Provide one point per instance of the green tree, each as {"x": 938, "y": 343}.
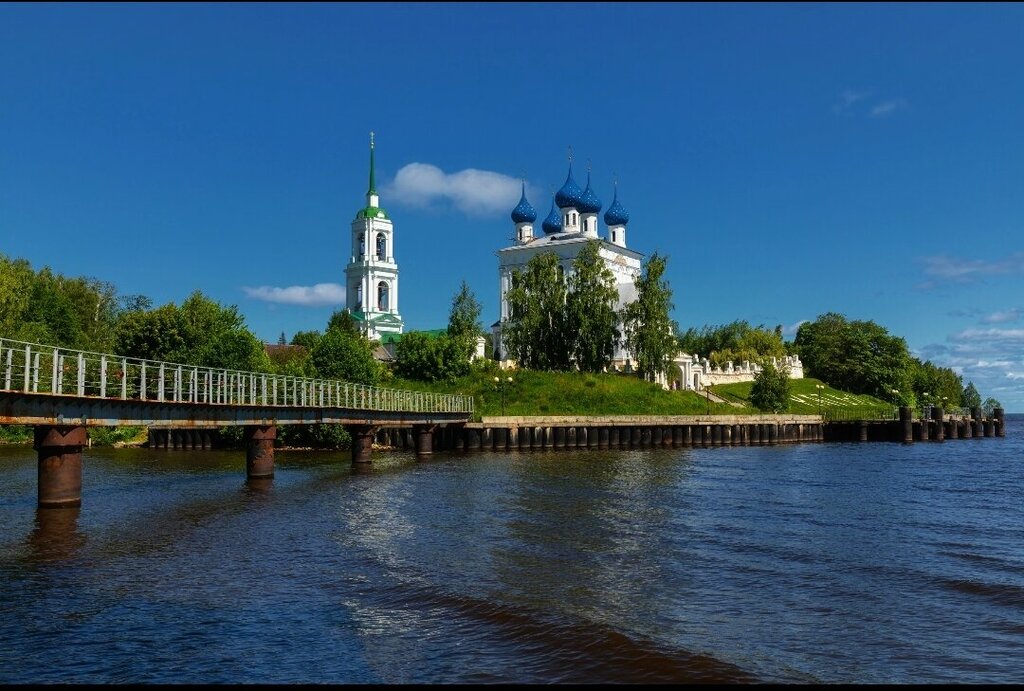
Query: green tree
{"x": 464, "y": 321}
{"x": 50, "y": 316}
{"x": 216, "y": 336}
{"x": 199, "y": 332}
{"x": 16, "y": 278}
{"x": 308, "y": 339}
{"x": 931, "y": 384}
{"x": 856, "y": 356}
{"x": 293, "y": 361}
{"x": 591, "y": 319}
{"x": 990, "y": 405}
{"x": 426, "y": 358}
{"x": 971, "y": 397}
{"x": 650, "y": 336}
{"x": 770, "y": 389}
{"x": 736, "y": 342}
{"x": 136, "y": 303}
{"x": 340, "y": 354}
{"x": 152, "y": 335}
{"x": 235, "y": 349}
{"x": 342, "y": 319}
{"x": 535, "y": 333}
{"x": 46, "y": 307}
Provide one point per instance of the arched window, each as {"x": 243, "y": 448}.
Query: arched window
{"x": 382, "y": 296}
{"x": 382, "y": 246}
{"x": 359, "y": 297}
{"x": 362, "y": 246}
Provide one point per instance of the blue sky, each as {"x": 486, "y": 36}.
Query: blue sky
{"x": 789, "y": 160}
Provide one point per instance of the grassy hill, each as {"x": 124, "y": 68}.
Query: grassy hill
{"x": 564, "y": 393}
{"x": 561, "y": 393}
{"x": 803, "y": 398}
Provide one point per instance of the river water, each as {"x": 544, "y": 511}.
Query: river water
{"x": 839, "y": 562}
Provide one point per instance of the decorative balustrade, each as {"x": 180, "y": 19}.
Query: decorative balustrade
{"x": 41, "y": 369}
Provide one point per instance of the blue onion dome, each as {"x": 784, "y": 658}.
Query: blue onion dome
{"x": 523, "y": 213}
{"x": 569, "y": 195}
{"x": 553, "y": 223}
{"x": 589, "y": 203}
{"x": 616, "y": 215}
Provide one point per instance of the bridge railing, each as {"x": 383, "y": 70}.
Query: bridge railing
{"x": 35, "y": 368}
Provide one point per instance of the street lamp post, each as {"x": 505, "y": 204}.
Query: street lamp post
{"x": 500, "y": 383}
{"x": 819, "y": 387}
{"x": 707, "y": 396}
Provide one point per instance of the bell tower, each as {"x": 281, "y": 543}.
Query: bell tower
{"x": 371, "y": 277}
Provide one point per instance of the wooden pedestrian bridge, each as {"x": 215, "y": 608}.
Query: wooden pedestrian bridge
{"x": 62, "y": 392}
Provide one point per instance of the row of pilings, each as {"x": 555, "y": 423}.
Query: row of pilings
{"x": 59, "y": 447}
{"x": 907, "y": 429}
{"x": 517, "y": 434}
{"x": 507, "y": 434}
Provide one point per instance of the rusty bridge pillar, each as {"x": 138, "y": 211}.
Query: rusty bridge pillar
{"x": 1000, "y": 421}
{"x": 362, "y": 443}
{"x": 59, "y": 449}
{"x": 259, "y": 450}
{"x": 424, "y": 435}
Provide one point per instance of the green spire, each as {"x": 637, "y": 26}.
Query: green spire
{"x": 373, "y": 186}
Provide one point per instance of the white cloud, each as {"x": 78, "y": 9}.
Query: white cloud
{"x": 848, "y": 98}
{"x": 990, "y": 335}
{"x": 471, "y": 191}
{"x": 956, "y": 270}
{"x": 853, "y": 102}
{"x": 1010, "y": 315}
{"x": 992, "y": 358}
{"x": 887, "y": 107}
{"x": 793, "y": 328}
{"x": 312, "y": 296}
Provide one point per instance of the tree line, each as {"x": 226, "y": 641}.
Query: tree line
{"x": 556, "y": 323}
{"x": 858, "y": 356}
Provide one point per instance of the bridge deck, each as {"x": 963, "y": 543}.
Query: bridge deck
{"x": 48, "y": 385}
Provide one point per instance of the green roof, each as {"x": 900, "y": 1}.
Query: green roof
{"x": 395, "y": 338}
{"x": 379, "y": 319}
{"x": 371, "y": 212}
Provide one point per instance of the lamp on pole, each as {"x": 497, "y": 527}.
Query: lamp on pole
{"x": 707, "y": 396}
{"x": 819, "y": 387}
{"x": 500, "y": 383}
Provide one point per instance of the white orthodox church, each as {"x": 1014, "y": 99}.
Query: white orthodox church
{"x": 571, "y": 223}
{"x": 371, "y": 277}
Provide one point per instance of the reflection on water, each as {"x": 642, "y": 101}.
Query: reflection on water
{"x": 55, "y": 535}
{"x": 808, "y": 563}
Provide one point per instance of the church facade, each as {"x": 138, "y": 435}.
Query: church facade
{"x": 371, "y": 276}
{"x": 570, "y": 224}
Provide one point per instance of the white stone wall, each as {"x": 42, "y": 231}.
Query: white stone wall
{"x": 695, "y": 372}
